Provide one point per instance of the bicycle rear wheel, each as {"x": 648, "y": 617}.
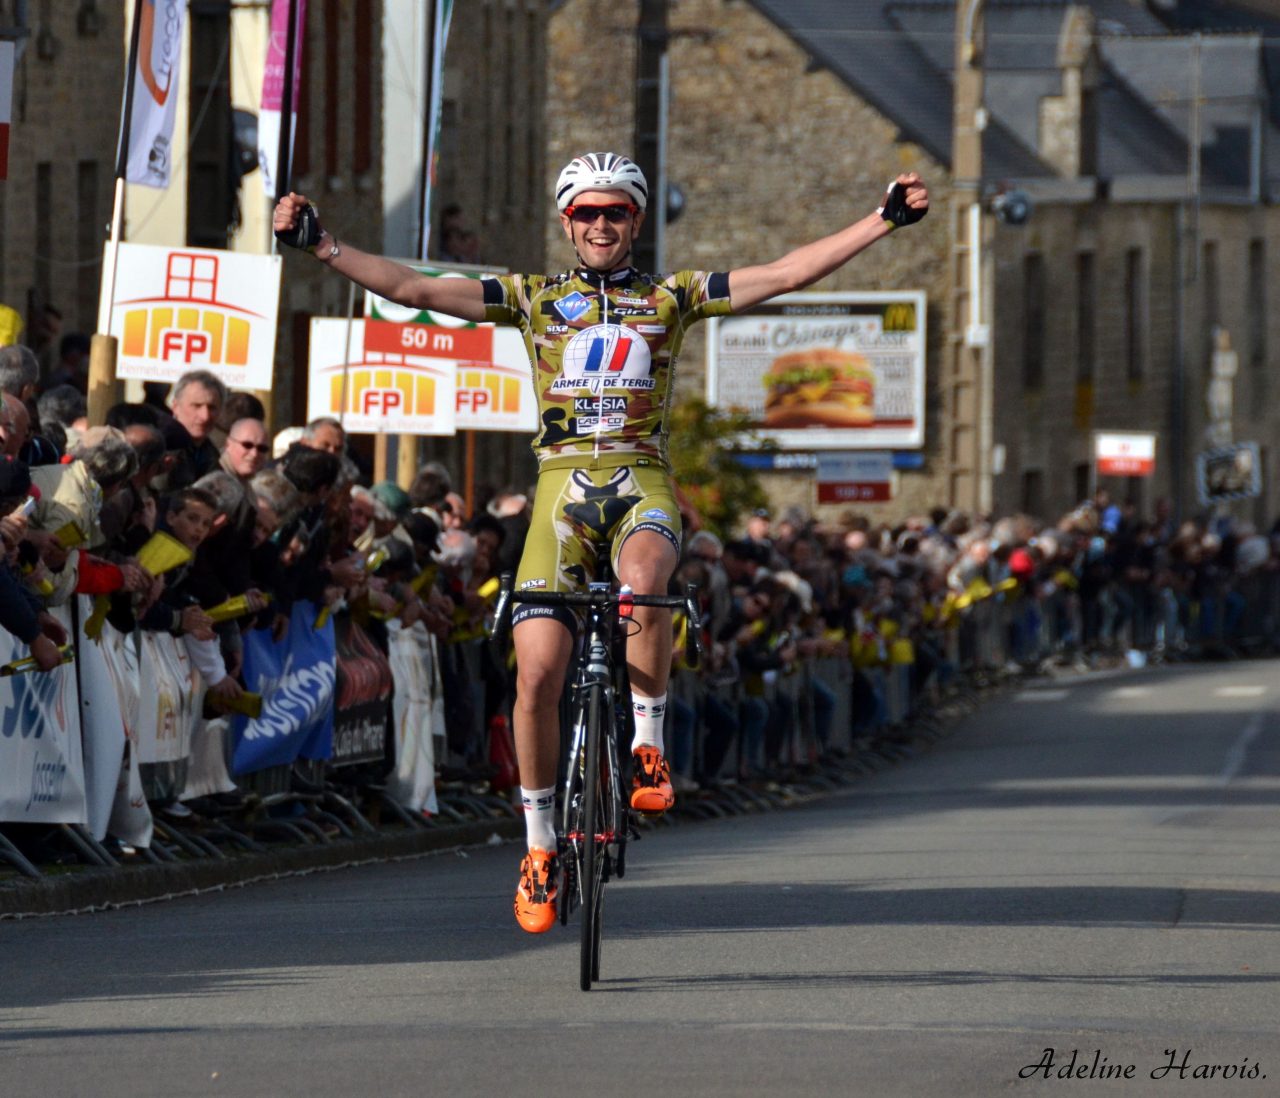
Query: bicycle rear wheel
{"x": 596, "y": 814}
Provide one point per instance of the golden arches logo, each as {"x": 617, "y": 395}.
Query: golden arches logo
{"x": 900, "y": 317}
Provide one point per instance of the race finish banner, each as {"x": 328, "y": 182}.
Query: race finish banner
{"x": 838, "y": 371}
{"x": 1125, "y": 455}
{"x": 494, "y": 384}
{"x": 7, "y": 54}
{"x": 377, "y": 392}
{"x": 1229, "y": 472}
{"x": 180, "y": 309}
{"x": 862, "y": 477}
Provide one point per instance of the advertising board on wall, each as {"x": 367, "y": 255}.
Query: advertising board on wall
{"x": 825, "y": 371}
{"x": 1131, "y": 454}
{"x": 180, "y": 309}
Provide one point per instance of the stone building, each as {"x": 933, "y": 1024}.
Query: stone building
{"x": 1150, "y": 159}
{"x": 56, "y": 201}
{"x": 357, "y": 153}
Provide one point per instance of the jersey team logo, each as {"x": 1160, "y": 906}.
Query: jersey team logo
{"x": 572, "y": 306}
{"x": 606, "y": 351}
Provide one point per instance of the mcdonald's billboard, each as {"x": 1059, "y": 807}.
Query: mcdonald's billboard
{"x": 837, "y": 371}
{"x": 180, "y": 309}
{"x": 377, "y": 392}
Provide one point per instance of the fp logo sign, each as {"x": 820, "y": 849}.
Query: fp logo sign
{"x": 381, "y": 402}
{"x": 184, "y": 346}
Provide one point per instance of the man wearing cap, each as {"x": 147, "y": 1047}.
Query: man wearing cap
{"x": 602, "y": 339}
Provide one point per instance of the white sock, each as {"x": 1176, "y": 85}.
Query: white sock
{"x": 648, "y": 714}
{"x": 540, "y": 817}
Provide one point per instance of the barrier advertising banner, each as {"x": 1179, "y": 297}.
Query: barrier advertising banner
{"x": 364, "y": 687}
{"x": 42, "y": 780}
{"x": 156, "y": 87}
{"x": 836, "y": 371}
{"x": 295, "y": 677}
{"x": 494, "y": 380}
{"x": 377, "y": 392}
{"x": 180, "y": 309}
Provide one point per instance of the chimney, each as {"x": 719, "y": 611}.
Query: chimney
{"x": 1069, "y": 122}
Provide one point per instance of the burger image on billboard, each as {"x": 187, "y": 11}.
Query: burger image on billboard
{"x": 819, "y": 388}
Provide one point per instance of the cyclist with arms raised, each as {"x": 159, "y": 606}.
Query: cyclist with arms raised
{"x": 602, "y": 340}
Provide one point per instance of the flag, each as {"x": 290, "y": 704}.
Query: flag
{"x": 273, "y": 89}
{"x": 439, "y": 40}
{"x": 153, "y": 87}
{"x": 6, "y": 104}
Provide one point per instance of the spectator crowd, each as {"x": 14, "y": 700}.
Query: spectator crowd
{"x": 818, "y": 633}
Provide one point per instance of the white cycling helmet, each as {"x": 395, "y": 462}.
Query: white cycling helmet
{"x": 601, "y": 172}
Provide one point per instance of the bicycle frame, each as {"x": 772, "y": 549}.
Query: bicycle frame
{"x": 595, "y": 811}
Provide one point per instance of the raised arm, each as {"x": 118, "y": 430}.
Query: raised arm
{"x": 906, "y": 202}
{"x": 296, "y": 224}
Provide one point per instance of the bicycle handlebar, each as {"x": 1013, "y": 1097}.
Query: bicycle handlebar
{"x": 600, "y": 599}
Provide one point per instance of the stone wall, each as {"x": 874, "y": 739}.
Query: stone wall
{"x": 770, "y": 152}
{"x": 62, "y": 143}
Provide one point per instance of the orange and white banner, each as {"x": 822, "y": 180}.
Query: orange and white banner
{"x": 495, "y": 380}
{"x": 377, "y": 392}
{"x": 155, "y": 91}
{"x": 7, "y": 55}
{"x": 180, "y": 309}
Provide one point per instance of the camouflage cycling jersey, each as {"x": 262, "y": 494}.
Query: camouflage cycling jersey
{"x": 603, "y": 350}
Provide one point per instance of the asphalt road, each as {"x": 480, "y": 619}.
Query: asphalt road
{"x": 1092, "y": 867}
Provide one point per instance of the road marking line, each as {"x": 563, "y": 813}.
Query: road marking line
{"x": 1041, "y": 696}
{"x": 1236, "y": 755}
{"x": 1131, "y": 692}
{"x": 1239, "y": 691}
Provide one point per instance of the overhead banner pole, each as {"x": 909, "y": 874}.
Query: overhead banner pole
{"x": 103, "y": 387}
{"x": 277, "y": 103}
{"x": 439, "y": 15}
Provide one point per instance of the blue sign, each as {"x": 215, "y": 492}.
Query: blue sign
{"x": 296, "y": 678}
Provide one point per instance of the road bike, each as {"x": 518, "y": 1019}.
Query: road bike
{"x": 595, "y": 803}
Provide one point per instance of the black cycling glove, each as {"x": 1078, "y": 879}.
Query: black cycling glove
{"x": 895, "y": 209}
{"x": 306, "y": 233}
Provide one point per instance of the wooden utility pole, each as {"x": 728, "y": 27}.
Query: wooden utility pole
{"x": 968, "y": 380}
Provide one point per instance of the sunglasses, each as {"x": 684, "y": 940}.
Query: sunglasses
{"x": 615, "y": 215}
{"x": 258, "y": 446}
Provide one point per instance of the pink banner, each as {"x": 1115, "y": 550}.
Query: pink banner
{"x": 273, "y": 88}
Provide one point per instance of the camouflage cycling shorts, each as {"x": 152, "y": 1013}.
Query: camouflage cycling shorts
{"x": 578, "y": 510}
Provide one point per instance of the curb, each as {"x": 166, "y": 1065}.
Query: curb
{"x": 99, "y": 889}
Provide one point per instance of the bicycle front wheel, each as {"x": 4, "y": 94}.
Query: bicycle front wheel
{"x": 595, "y": 825}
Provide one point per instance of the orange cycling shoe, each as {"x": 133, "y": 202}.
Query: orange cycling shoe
{"x": 536, "y": 894}
{"x": 650, "y": 781}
